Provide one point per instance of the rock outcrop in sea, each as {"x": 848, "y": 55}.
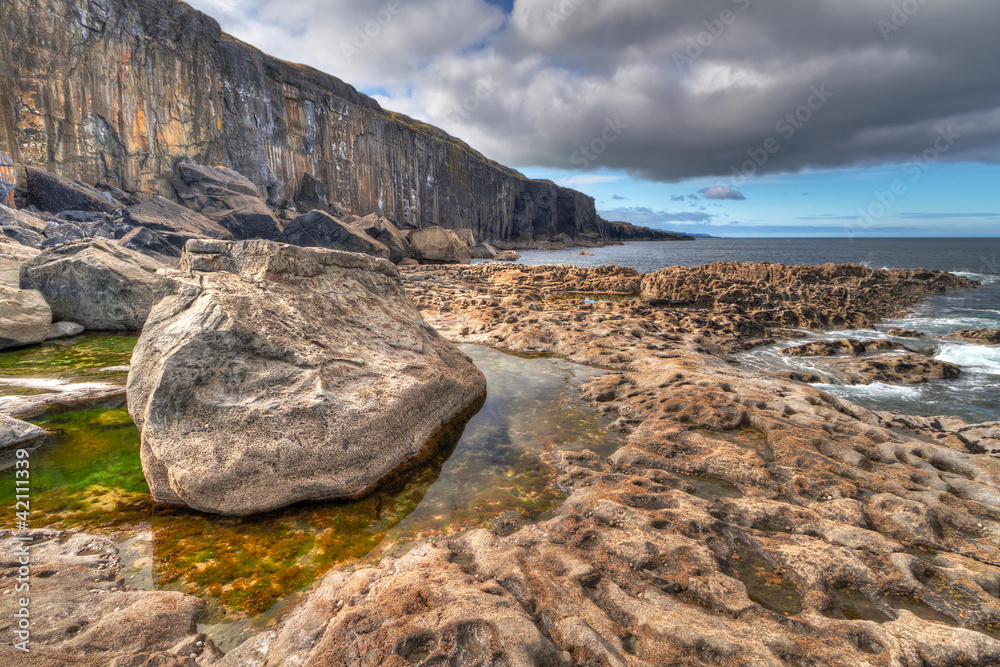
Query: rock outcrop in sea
{"x": 269, "y": 374}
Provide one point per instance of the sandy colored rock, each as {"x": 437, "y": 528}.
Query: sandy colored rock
{"x": 96, "y": 283}
{"x": 269, "y": 374}
{"x": 24, "y": 317}
{"x": 898, "y": 369}
{"x": 978, "y": 336}
{"x": 437, "y": 245}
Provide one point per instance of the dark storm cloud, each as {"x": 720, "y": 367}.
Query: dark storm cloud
{"x": 668, "y": 90}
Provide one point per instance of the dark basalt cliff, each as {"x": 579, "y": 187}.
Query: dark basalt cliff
{"x": 121, "y": 90}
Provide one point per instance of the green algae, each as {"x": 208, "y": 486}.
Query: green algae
{"x": 88, "y": 476}
{"x": 81, "y": 358}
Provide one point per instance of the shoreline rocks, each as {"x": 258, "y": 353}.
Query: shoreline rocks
{"x": 978, "y": 336}
{"x": 96, "y": 283}
{"x": 25, "y": 317}
{"x": 269, "y": 374}
{"x": 437, "y": 245}
{"x": 318, "y": 229}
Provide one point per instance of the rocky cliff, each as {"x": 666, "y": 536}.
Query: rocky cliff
{"x": 121, "y": 90}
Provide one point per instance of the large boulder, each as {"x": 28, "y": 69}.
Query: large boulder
{"x": 152, "y": 244}
{"x": 23, "y": 227}
{"x": 437, "y": 245}
{"x": 467, "y": 236}
{"x": 483, "y": 251}
{"x": 227, "y": 198}
{"x": 12, "y": 256}
{"x": 269, "y": 374}
{"x": 979, "y": 336}
{"x": 50, "y": 192}
{"x": 173, "y": 222}
{"x": 24, "y": 317}
{"x": 382, "y": 230}
{"x": 312, "y": 195}
{"x": 95, "y": 282}
{"x": 15, "y": 434}
{"x": 318, "y": 229}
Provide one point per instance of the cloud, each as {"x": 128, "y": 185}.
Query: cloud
{"x": 678, "y": 198}
{"x": 721, "y": 192}
{"x": 648, "y": 217}
{"x": 619, "y": 198}
{"x": 684, "y": 111}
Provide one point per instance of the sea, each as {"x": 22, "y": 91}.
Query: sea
{"x": 975, "y": 396}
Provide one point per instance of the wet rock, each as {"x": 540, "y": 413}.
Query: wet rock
{"x": 174, "y": 223}
{"x": 53, "y": 193}
{"x": 24, "y": 317}
{"x": 437, "y": 245}
{"x": 831, "y": 295}
{"x": 382, "y": 230}
{"x": 586, "y": 253}
{"x": 82, "y": 615}
{"x": 269, "y": 374}
{"x": 16, "y": 434}
{"x": 97, "y": 283}
{"x": 845, "y": 347}
{"x": 978, "y": 336}
{"x": 227, "y": 198}
{"x": 906, "y": 333}
{"x": 60, "y": 330}
{"x": 902, "y": 370}
{"x": 483, "y": 251}
{"x": 318, "y": 229}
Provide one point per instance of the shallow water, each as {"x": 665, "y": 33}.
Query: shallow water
{"x": 87, "y": 475}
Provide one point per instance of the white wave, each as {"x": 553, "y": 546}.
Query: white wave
{"x": 982, "y": 358}
{"x": 985, "y": 278}
{"x": 876, "y": 390}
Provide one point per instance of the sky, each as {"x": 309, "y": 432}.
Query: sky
{"x": 725, "y": 117}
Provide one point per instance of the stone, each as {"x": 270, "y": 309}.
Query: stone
{"x": 24, "y": 236}
{"x": 60, "y": 330}
{"x": 437, "y": 245}
{"x": 24, "y": 317}
{"x": 57, "y": 235}
{"x": 8, "y": 179}
{"x": 900, "y": 369}
{"x": 53, "y": 193}
{"x": 97, "y": 283}
{"x": 12, "y": 256}
{"x": 312, "y": 195}
{"x": 507, "y": 256}
{"x": 978, "y": 336}
{"x": 23, "y": 227}
{"x": 82, "y": 615}
{"x": 227, "y": 198}
{"x": 16, "y": 434}
{"x": 318, "y": 229}
{"x": 382, "y": 230}
{"x": 269, "y": 374}
{"x": 467, "y": 236}
{"x": 153, "y": 244}
{"x": 906, "y": 333}
{"x": 845, "y": 347}
{"x": 173, "y": 222}
{"x": 483, "y": 251}
{"x": 586, "y": 253}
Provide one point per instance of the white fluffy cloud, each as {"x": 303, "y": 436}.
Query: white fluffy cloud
{"x": 700, "y": 87}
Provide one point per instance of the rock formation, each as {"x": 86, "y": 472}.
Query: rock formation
{"x": 97, "y": 283}
{"x": 130, "y": 87}
{"x": 25, "y": 318}
{"x": 8, "y": 179}
{"x": 318, "y": 229}
{"x": 386, "y": 233}
{"x": 15, "y": 433}
{"x": 174, "y": 223}
{"x": 269, "y": 374}
{"x": 226, "y": 197}
{"x": 436, "y": 245}
{"x": 979, "y": 336}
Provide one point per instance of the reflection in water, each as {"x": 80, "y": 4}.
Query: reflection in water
{"x": 88, "y": 476}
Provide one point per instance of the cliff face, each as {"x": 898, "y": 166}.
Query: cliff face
{"x": 120, "y": 90}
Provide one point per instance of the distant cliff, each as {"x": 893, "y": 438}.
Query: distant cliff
{"x": 120, "y": 90}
